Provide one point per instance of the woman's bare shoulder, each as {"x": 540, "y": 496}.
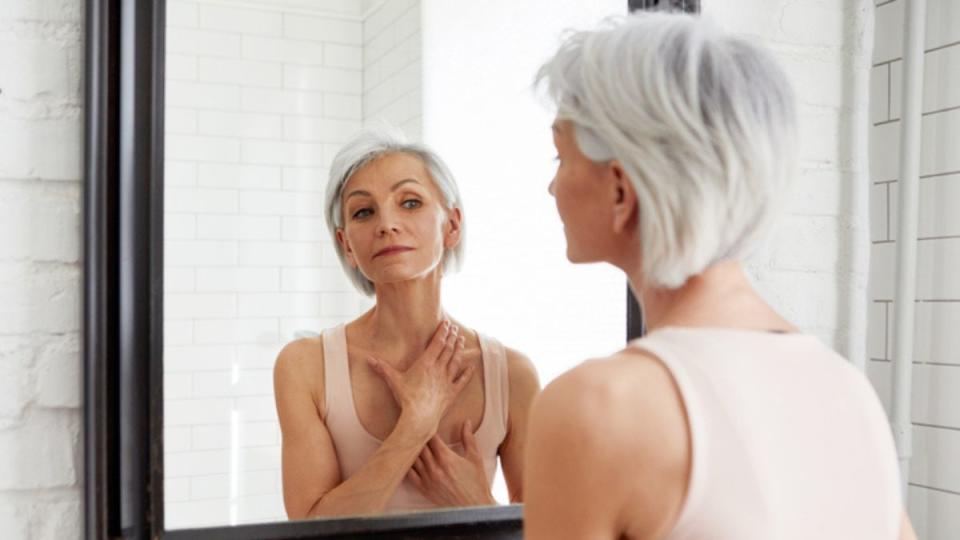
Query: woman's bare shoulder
{"x": 624, "y": 415}
{"x": 626, "y": 404}
{"x": 615, "y": 379}
{"x": 521, "y": 372}
{"x": 300, "y": 365}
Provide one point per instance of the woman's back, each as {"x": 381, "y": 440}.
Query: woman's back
{"x": 787, "y": 440}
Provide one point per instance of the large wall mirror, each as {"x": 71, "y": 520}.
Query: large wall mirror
{"x": 260, "y": 95}
{"x": 209, "y": 251}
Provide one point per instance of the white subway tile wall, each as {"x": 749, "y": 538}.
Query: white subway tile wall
{"x": 934, "y": 497}
{"x": 392, "y": 73}
{"x": 259, "y": 99}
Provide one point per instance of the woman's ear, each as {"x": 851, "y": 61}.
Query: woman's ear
{"x": 453, "y": 228}
{"x": 625, "y": 198}
{"x": 345, "y": 246}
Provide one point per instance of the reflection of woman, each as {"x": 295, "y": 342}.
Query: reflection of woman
{"x": 401, "y": 408}
{"x": 725, "y": 421}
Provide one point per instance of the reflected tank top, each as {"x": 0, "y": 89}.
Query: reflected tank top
{"x": 355, "y": 445}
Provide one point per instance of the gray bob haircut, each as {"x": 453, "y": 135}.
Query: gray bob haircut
{"x": 703, "y": 123}
{"x": 365, "y": 147}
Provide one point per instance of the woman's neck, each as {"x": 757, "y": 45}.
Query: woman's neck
{"x": 720, "y": 296}
{"x": 404, "y": 319}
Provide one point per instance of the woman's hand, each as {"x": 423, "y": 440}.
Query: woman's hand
{"x": 431, "y": 384}
{"x": 449, "y": 479}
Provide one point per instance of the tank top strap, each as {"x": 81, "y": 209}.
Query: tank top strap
{"x": 338, "y": 395}
{"x": 496, "y": 384}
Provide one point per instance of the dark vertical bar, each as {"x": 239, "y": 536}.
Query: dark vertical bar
{"x": 101, "y": 473}
{"x": 158, "y": 75}
{"x": 636, "y": 326}
{"x": 139, "y": 385}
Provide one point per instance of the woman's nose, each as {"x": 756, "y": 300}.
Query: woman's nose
{"x": 387, "y": 223}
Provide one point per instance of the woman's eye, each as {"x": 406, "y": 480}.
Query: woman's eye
{"x": 362, "y": 213}
{"x": 411, "y": 203}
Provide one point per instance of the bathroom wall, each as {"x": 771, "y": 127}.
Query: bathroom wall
{"x": 260, "y": 94}
{"x": 392, "y": 68}
{"x": 41, "y": 141}
{"x": 934, "y": 493}
{"x": 815, "y": 266}
{"x": 41, "y": 69}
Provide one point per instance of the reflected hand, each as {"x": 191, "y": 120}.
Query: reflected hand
{"x": 432, "y": 383}
{"x": 449, "y": 479}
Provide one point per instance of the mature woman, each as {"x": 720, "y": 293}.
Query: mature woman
{"x": 402, "y": 408}
{"x": 675, "y": 142}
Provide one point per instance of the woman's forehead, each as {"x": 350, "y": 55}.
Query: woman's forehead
{"x": 386, "y": 171}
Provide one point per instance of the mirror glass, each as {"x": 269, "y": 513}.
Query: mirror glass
{"x": 260, "y": 95}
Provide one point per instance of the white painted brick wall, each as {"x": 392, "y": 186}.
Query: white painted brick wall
{"x": 934, "y": 497}
{"x": 40, "y": 269}
{"x": 822, "y": 243}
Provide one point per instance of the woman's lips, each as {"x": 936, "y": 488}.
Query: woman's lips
{"x": 391, "y": 250}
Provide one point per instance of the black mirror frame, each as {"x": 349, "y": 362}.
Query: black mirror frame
{"x": 123, "y": 302}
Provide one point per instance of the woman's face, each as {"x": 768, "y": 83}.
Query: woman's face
{"x": 396, "y": 226}
{"x": 586, "y": 197}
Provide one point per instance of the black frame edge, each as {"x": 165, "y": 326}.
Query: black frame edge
{"x": 140, "y": 267}
{"x": 99, "y": 266}
{"x": 492, "y": 522}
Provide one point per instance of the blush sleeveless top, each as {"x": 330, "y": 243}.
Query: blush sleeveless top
{"x": 788, "y": 439}
{"x": 355, "y": 445}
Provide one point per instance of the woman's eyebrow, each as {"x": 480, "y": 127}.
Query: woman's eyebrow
{"x": 394, "y": 188}
{"x": 402, "y": 182}
{"x": 357, "y": 192}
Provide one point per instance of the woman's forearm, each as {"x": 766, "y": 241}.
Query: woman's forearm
{"x": 371, "y": 487}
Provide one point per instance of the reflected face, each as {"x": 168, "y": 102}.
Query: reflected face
{"x": 396, "y": 224}
{"x": 584, "y": 198}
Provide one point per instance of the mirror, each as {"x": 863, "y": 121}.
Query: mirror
{"x": 259, "y": 97}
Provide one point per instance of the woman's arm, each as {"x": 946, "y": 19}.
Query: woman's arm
{"x": 607, "y": 454}
{"x": 311, "y": 474}
{"x": 524, "y": 386}
{"x": 311, "y": 479}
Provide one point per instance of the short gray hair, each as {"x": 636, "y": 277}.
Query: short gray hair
{"x": 703, "y": 122}
{"x": 365, "y": 147}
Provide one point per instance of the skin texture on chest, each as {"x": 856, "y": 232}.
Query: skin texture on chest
{"x": 378, "y": 411}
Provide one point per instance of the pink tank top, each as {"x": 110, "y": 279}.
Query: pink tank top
{"x": 355, "y": 445}
{"x": 788, "y": 439}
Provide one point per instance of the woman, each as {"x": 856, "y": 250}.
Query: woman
{"x": 674, "y": 142}
{"x": 402, "y": 408}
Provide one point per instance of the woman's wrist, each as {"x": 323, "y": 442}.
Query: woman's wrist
{"x": 419, "y": 427}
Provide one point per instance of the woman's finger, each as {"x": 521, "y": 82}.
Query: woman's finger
{"x": 439, "y": 449}
{"x": 449, "y": 348}
{"x": 439, "y": 340}
{"x": 429, "y": 460}
{"x": 456, "y": 359}
{"x": 385, "y": 371}
{"x": 414, "y": 478}
{"x": 463, "y": 377}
